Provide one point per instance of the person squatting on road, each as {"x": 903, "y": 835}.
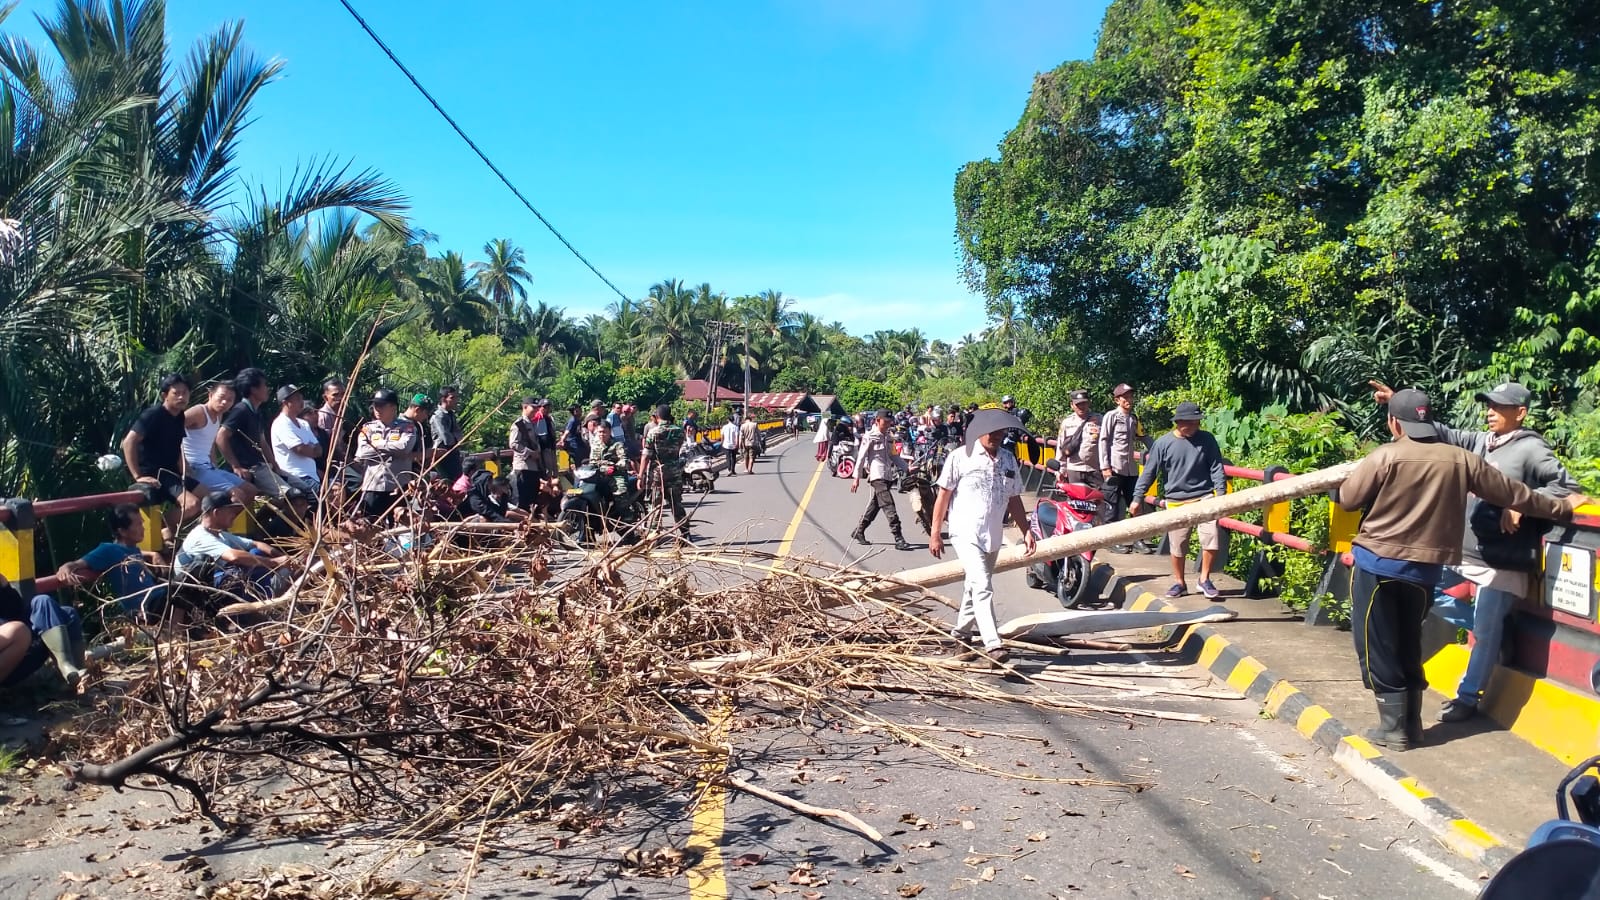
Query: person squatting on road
{"x": 980, "y": 486}
{"x": 1414, "y": 494}
{"x": 877, "y": 458}
{"x": 1189, "y": 464}
{"x": 661, "y": 464}
{"x": 1500, "y": 549}
{"x": 1078, "y": 443}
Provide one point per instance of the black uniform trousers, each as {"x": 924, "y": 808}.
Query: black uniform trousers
{"x": 1119, "y": 493}
{"x": 882, "y": 498}
{"x": 525, "y": 488}
{"x": 1386, "y": 616}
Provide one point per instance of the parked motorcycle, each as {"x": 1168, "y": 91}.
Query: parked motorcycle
{"x": 1067, "y": 509}
{"x": 920, "y": 480}
{"x": 602, "y": 497}
{"x": 1562, "y": 859}
{"x": 700, "y": 471}
{"x": 842, "y": 458}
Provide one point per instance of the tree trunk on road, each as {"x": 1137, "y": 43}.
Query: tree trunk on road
{"x": 1131, "y": 529}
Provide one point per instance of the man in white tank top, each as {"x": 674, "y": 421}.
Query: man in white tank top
{"x": 200, "y": 424}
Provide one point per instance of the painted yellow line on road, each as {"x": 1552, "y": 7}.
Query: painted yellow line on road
{"x": 707, "y": 880}
{"x": 800, "y": 513}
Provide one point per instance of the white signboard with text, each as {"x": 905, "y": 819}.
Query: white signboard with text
{"x": 1569, "y": 579}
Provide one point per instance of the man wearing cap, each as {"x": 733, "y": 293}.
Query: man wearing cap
{"x": 294, "y": 444}
{"x": 1121, "y": 439}
{"x": 445, "y": 429}
{"x": 418, "y": 412}
{"x": 876, "y": 457}
{"x": 527, "y": 457}
{"x": 1189, "y": 464}
{"x": 387, "y": 445}
{"x": 239, "y": 565}
{"x": 1414, "y": 494}
{"x": 1500, "y": 550}
{"x": 1078, "y": 443}
{"x": 980, "y": 487}
{"x": 661, "y": 463}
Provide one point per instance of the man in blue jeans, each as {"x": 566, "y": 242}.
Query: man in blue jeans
{"x": 1501, "y": 549}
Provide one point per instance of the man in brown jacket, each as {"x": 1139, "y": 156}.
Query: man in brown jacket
{"x": 1414, "y": 495}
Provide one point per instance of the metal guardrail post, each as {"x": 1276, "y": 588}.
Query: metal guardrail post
{"x": 16, "y": 544}
{"x": 150, "y": 511}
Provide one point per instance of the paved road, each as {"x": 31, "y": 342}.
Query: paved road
{"x": 1242, "y": 807}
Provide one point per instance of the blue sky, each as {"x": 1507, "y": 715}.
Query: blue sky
{"x": 804, "y": 145}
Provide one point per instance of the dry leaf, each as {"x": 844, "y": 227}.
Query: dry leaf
{"x": 987, "y": 874}
{"x": 966, "y": 825}
{"x": 747, "y": 859}
{"x": 909, "y": 890}
{"x": 1183, "y": 870}
{"x": 1038, "y": 836}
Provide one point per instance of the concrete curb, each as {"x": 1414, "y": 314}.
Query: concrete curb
{"x": 1282, "y": 700}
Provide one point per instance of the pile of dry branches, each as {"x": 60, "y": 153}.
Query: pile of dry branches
{"x": 499, "y": 667}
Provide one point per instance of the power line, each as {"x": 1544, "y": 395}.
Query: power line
{"x": 475, "y": 149}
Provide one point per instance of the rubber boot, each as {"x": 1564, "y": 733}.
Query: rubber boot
{"x": 860, "y": 537}
{"x": 59, "y": 644}
{"x": 900, "y": 542}
{"x": 1414, "y": 716}
{"x": 1391, "y": 730}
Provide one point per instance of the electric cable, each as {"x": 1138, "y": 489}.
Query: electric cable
{"x": 475, "y": 148}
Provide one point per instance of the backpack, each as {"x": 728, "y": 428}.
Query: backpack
{"x": 1518, "y": 552}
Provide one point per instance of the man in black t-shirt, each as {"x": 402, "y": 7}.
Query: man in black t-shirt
{"x": 242, "y": 437}
{"x": 153, "y": 451}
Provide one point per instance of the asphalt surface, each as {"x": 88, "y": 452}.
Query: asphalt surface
{"x": 1239, "y": 806}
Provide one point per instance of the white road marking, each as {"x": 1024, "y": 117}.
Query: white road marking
{"x": 1261, "y": 749}
{"x": 1440, "y": 870}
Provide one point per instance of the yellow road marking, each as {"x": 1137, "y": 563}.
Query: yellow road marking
{"x": 707, "y": 880}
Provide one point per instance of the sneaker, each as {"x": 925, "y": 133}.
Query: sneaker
{"x": 1210, "y": 590}
{"x": 860, "y": 537}
{"x": 1457, "y": 711}
{"x": 1176, "y": 591}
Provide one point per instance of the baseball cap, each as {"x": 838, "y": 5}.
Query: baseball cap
{"x": 1121, "y": 389}
{"x": 385, "y": 395}
{"x": 1414, "y": 411}
{"x": 1080, "y": 396}
{"x": 421, "y": 400}
{"x": 1507, "y": 394}
{"x": 217, "y": 500}
{"x": 1008, "y": 399}
{"x": 1187, "y": 411}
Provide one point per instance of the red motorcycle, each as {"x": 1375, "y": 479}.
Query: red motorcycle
{"x": 1067, "y": 509}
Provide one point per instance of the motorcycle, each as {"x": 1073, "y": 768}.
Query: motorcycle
{"x": 700, "y": 470}
{"x": 919, "y": 480}
{"x": 602, "y": 497}
{"x": 1067, "y": 509}
{"x": 842, "y": 458}
{"x": 1562, "y": 859}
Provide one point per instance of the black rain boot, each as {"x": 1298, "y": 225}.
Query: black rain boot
{"x": 1391, "y": 730}
{"x": 860, "y": 537}
{"x": 900, "y": 542}
{"x": 1414, "y": 716}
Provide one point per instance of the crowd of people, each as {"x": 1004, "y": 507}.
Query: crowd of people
{"x": 402, "y": 463}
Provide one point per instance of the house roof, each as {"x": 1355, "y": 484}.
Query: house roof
{"x": 828, "y": 403}
{"x": 785, "y": 401}
{"x": 695, "y": 389}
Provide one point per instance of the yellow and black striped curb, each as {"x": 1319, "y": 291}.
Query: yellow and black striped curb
{"x": 1282, "y": 700}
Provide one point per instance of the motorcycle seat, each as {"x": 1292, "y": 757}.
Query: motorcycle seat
{"x": 1567, "y": 869}
{"x": 1080, "y": 492}
{"x": 1047, "y": 514}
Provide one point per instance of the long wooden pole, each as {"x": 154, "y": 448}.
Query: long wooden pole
{"x": 1130, "y": 529}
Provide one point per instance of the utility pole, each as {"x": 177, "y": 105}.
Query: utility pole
{"x": 746, "y": 369}
{"x": 716, "y": 333}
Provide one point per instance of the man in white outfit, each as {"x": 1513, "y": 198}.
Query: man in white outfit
{"x": 980, "y": 486}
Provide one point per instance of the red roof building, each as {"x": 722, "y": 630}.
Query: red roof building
{"x": 694, "y": 391}
{"x": 783, "y": 402}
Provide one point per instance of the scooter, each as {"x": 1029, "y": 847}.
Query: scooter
{"x": 1562, "y": 859}
{"x": 700, "y": 471}
{"x": 1067, "y": 509}
{"x": 842, "y": 458}
{"x": 922, "y": 473}
{"x": 602, "y": 497}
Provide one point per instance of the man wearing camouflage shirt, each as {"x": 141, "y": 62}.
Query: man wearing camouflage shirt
{"x": 661, "y": 463}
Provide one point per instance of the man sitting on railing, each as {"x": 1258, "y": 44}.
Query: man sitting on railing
{"x": 124, "y": 566}
{"x": 153, "y": 451}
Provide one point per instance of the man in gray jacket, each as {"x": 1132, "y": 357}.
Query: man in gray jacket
{"x": 878, "y": 459}
{"x": 1500, "y": 551}
{"x": 1189, "y": 464}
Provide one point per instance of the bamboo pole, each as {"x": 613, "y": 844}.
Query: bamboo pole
{"x": 1127, "y": 530}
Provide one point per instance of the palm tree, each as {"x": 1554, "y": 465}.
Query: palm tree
{"x": 669, "y": 335}
{"x": 503, "y": 278}
{"x": 450, "y": 296}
